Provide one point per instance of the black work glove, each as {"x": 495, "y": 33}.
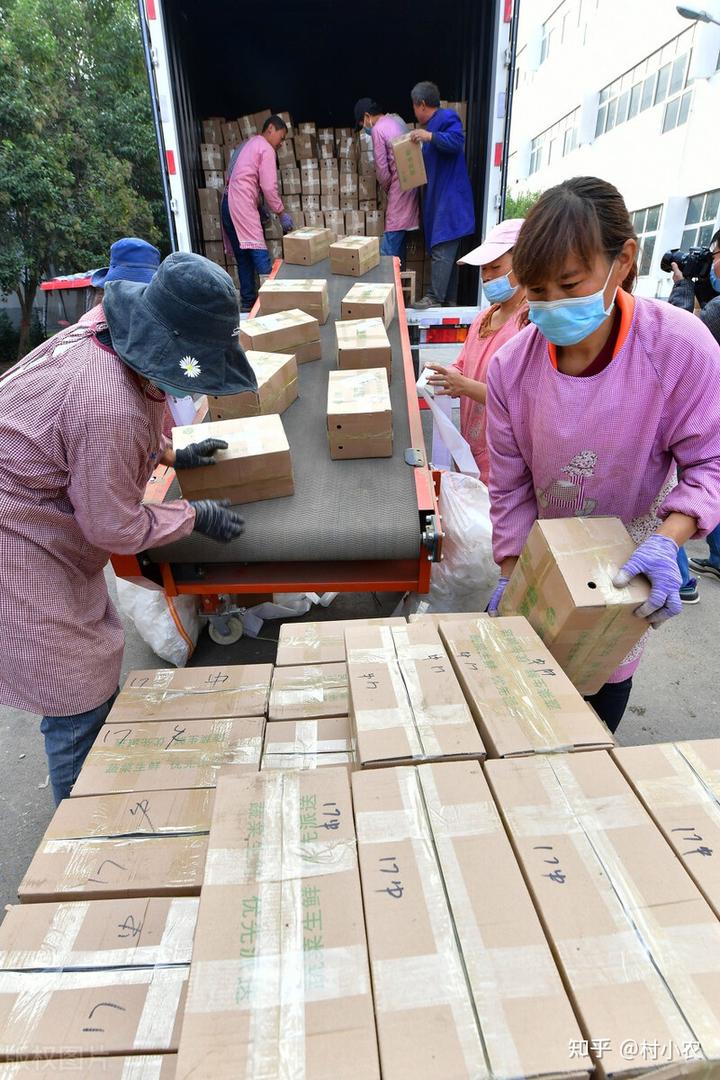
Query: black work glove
{"x": 214, "y": 519}
{"x": 198, "y": 453}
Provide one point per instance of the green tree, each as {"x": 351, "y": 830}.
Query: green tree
{"x": 517, "y": 205}
{"x": 73, "y": 176}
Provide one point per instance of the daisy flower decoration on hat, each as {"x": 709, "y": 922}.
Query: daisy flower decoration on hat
{"x": 190, "y": 367}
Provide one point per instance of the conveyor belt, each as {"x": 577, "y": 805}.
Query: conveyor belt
{"x": 341, "y": 510}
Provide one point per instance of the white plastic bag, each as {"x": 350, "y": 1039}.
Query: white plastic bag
{"x": 466, "y": 576}
{"x": 151, "y": 612}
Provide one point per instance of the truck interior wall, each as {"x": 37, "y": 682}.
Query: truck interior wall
{"x": 316, "y": 57}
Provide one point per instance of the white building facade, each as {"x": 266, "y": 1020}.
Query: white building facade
{"x": 627, "y": 90}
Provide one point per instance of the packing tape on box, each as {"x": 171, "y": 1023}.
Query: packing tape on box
{"x": 378, "y": 651}
{"x": 307, "y": 689}
{"x": 303, "y": 762}
{"x": 58, "y": 951}
{"x": 709, "y": 778}
{"x": 270, "y": 401}
{"x": 136, "y": 758}
{"x": 306, "y": 741}
{"x": 583, "y": 819}
{"x": 34, "y": 991}
{"x": 159, "y": 693}
{"x": 87, "y": 858}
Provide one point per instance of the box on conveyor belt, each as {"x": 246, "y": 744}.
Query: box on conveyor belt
{"x": 679, "y": 783}
{"x": 160, "y": 756}
{"x": 354, "y": 223}
{"x": 280, "y": 332}
{"x": 464, "y": 982}
{"x": 335, "y": 222}
{"x": 56, "y": 1014}
{"x": 210, "y": 224}
{"x": 211, "y": 156}
{"x": 119, "y": 933}
{"x": 562, "y": 584}
{"x": 409, "y": 162}
{"x": 309, "y": 691}
{"x": 286, "y": 294}
{"x": 277, "y": 381}
{"x": 309, "y": 744}
{"x": 305, "y": 146}
{"x": 638, "y": 946}
{"x": 406, "y": 703}
{"x": 320, "y": 642}
{"x": 209, "y": 200}
{"x": 280, "y": 980}
{"x": 522, "y": 701}
{"x": 363, "y": 343}
{"x": 133, "y": 1067}
{"x": 367, "y": 187}
{"x": 212, "y": 130}
{"x": 231, "y": 135}
{"x": 375, "y": 222}
{"x": 215, "y": 178}
{"x": 255, "y": 466}
{"x": 202, "y": 693}
{"x": 369, "y": 302}
{"x": 304, "y": 247}
{"x": 354, "y": 255}
{"x": 359, "y": 414}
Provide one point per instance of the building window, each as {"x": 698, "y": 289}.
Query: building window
{"x": 568, "y": 22}
{"x": 646, "y": 223}
{"x": 701, "y": 219}
{"x": 663, "y": 76}
{"x": 555, "y": 142}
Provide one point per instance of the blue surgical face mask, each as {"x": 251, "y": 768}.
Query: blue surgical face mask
{"x": 499, "y": 289}
{"x": 171, "y": 391}
{"x": 368, "y": 129}
{"x": 714, "y": 279}
{"x": 567, "y": 322}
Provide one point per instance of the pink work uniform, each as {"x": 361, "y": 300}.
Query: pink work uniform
{"x": 254, "y": 174}
{"x": 80, "y": 434}
{"x": 473, "y": 362}
{"x": 609, "y": 444}
{"x": 403, "y": 207}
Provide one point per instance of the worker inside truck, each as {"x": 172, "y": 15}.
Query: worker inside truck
{"x": 593, "y": 408}
{"x": 80, "y": 434}
{"x": 402, "y": 214}
{"x": 251, "y": 188}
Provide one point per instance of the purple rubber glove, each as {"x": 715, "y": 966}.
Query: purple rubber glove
{"x": 287, "y": 223}
{"x": 492, "y": 608}
{"x": 656, "y": 558}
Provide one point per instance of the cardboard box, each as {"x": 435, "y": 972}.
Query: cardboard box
{"x": 142, "y": 1066}
{"x": 279, "y": 332}
{"x": 562, "y": 584}
{"x": 170, "y": 754}
{"x": 363, "y": 343}
{"x": 314, "y": 219}
{"x": 277, "y": 379}
{"x": 326, "y": 151}
{"x": 311, "y": 204}
{"x": 366, "y": 205}
{"x": 306, "y": 146}
{"x": 126, "y": 933}
{"x": 320, "y": 642}
{"x": 343, "y": 133}
{"x": 281, "y": 907}
{"x": 464, "y": 981}
{"x": 212, "y": 130}
{"x": 460, "y": 107}
{"x": 215, "y": 178}
{"x": 272, "y": 229}
{"x": 209, "y": 200}
{"x": 447, "y": 616}
{"x": 309, "y": 691}
{"x": 293, "y": 205}
{"x": 305, "y": 247}
{"x": 231, "y": 135}
{"x": 286, "y": 153}
{"x": 255, "y": 466}
{"x": 369, "y": 302}
{"x": 247, "y": 126}
{"x": 202, "y": 693}
{"x": 308, "y": 128}
{"x": 287, "y": 294}
{"x": 322, "y": 735}
{"x": 329, "y": 170}
{"x": 335, "y": 221}
{"x": 349, "y": 202}
{"x": 349, "y": 184}
{"x": 347, "y": 149}
{"x": 328, "y": 203}
{"x": 211, "y": 156}
{"x": 215, "y": 251}
{"x": 311, "y": 183}
{"x": 309, "y": 167}
{"x": 290, "y": 174}
{"x": 367, "y": 187}
{"x": 211, "y": 228}
{"x": 260, "y": 118}
{"x": 46, "y": 1015}
{"x": 299, "y": 762}
{"x": 133, "y": 814}
{"x": 359, "y": 414}
{"x": 405, "y": 702}
{"x": 366, "y": 165}
{"x": 522, "y": 701}
{"x": 291, "y": 185}
{"x": 274, "y": 249}
{"x": 679, "y": 784}
{"x": 98, "y": 869}
{"x": 288, "y": 122}
{"x": 409, "y": 162}
{"x": 354, "y": 255}
{"x": 354, "y": 223}
{"x": 375, "y": 223}
{"x": 637, "y": 944}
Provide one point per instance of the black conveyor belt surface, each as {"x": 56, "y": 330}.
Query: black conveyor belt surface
{"x": 341, "y": 510}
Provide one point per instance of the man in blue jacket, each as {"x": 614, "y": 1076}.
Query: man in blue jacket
{"x": 448, "y": 212}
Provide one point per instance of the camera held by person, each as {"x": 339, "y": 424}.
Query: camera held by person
{"x": 696, "y": 276}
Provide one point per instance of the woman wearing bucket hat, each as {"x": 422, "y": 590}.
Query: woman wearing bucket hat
{"x": 80, "y": 432}
{"x": 466, "y": 378}
{"x": 131, "y": 259}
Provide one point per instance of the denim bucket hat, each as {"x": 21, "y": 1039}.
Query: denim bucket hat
{"x": 181, "y": 329}
{"x": 131, "y": 259}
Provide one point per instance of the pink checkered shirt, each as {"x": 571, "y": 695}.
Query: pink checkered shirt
{"x": 79, "y": 438}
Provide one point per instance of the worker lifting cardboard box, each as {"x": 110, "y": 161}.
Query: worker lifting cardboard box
{"x": 255, "y": 466}
{"x": 359, "y": 414}
{"x": 363, "y": 343}
{"x": 409, "y": 162}
{"x": 277, "y": 388}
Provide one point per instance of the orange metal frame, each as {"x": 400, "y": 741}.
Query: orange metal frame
{"x": 391, "y": 575}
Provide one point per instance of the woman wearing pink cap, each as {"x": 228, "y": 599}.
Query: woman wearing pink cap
{"x": 466, "y": 378}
